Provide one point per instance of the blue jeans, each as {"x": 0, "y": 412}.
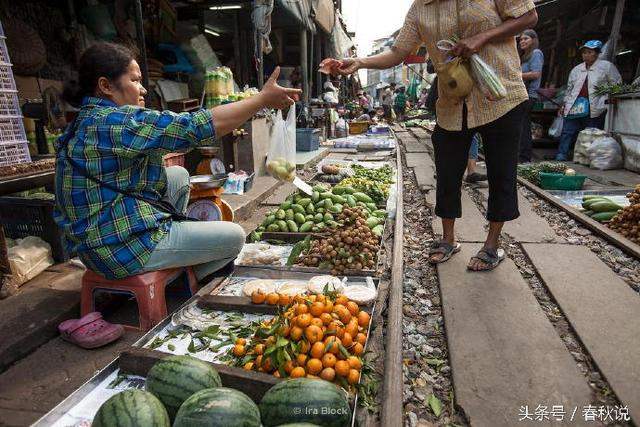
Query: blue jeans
{"x": 208, "y": 246}
{"x": 475, "y": 147}
{"x": 570, "y": 130}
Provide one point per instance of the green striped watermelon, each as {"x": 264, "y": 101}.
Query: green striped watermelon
{"x": 299, "y": 425}
{"x": 305, "y": 400}
{"x": 218, "y": 407}
{"x": 132, "y": 408}
{"x": 174, "y": 379}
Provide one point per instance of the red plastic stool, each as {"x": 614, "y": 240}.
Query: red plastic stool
{"x": 147, "y": 288}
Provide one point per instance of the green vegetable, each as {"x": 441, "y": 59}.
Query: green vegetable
{"x": 328, "y": 203}
{"x": 318, "y": 218}
{"x": 604, "y": 216}
{"x": 372, "y": 222}
{"x": 286, "y": 205}
{"x": 315, "y": 197}
{"x": 325, "y": 195}
{"x": 371, "y": 206}
{"x": 338, "y": 199}
{"x": 292, "y": 226}
{"x": 335, "y": 209}
{"x": 600, "y": 206}
{"x": 327, "y": 217}
{"x": 297, "y": 209}
{"x": 378, "y": 230}
{"x": 351, "y": 201}
{"x": 269, "y": 220}
{"x": 307, "y": 226}
{"x": 280, "y": 214}
{"x": 299, "y": 218}
{"x": 319, "y": 188}
{"x": 289, "y": 214}
{"x": 361, "y": 197}
{"x": 311, "y": 208}
{"x": 380, "y": 213}
{"x": 308, "y": 217}
{"x": 273, "y": 228}
{"x": 297, "y": 249}
{"x": 304, "y": 202}
{"x": 338, "y": 190}
{"x": 282, "y": 226}
{"x": 218, "y": 407}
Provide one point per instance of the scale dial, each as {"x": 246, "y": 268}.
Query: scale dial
{"x": 204, "y": 210}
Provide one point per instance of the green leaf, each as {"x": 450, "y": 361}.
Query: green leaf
{"x": 192, "y": 347}
{"x": 171, "y": 347}
{"x": 282, "y": 342}
{"x": 435, "y": 405}
{"x": 270, "y": 350}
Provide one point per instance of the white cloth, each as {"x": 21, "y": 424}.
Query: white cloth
{"x": 600, "y": 72}
{"x": 330, "y": 97}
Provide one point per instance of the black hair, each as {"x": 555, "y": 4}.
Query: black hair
{"x": 103, "y": 59}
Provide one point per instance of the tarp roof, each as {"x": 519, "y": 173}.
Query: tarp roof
{"x": 300, "y": 10}
{"x": 324, "y": 12}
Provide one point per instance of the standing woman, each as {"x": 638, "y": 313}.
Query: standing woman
{"x": 582, "y": 107}
{"x": 120, "y": 210}
{"x": 532, "y": 60}
{"x": 488, "y": 28}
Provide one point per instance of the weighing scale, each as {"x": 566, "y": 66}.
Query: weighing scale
{"x": 205, "y": 202}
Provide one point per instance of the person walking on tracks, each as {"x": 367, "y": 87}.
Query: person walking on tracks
{"x": 487, "y": 28}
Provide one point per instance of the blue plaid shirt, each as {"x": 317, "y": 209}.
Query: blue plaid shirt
{"x": 114, "y": 234}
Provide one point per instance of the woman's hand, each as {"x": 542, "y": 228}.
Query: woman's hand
{"x": 343, "y": 67}
{"x": 470, "y": 45}
{"x": 273, "y": 95}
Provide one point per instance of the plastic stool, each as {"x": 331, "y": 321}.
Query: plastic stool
{"x": 147, "y": 288}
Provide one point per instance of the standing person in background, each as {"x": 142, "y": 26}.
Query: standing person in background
{"x": 486, "y": 28}
{"x": 532, "y": 60}
{"x": 582, "y": 107}
{"x": 422, "y": 99}
{"x": 387, "y": 100}
{"x": 400, "y": 104}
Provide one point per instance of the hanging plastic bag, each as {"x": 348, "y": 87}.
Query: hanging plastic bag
{"x": 454, "y": 76}
{"x": 281, "y": 158}
{"x": 605, "y": 153}
{"x": 487, "y": 79}
{"x": 556, "y": 127}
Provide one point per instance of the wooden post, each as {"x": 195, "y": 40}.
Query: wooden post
{"x": 318, "y": 56}
{"x": 304, "y": 67}
{"x": 615, "y": 29}
{"x": 392, "y": 386}
{"x": 141, "y": 45}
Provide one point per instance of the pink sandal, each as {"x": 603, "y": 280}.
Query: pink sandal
{"x": 90, "y": 331}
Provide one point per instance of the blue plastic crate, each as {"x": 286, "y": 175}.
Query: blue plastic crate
{"x": 307, "y": 139}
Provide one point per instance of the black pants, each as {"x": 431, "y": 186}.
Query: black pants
{"x": 526, "y": 140}
{"x": 500, "y": 140}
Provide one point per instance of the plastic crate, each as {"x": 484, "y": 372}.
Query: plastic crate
{"x": 558, "y": 181}
{"x": 173, "y": 159}
{"x": 6, "y": 78}
{"x": 357, "y": 128}
{"x": 9, "y": 104}
{"x": 12, "y": 154}
{"x": 22, "y": 217}
{"x": 307, "y": 139}
{"x": 4, "y": 52}
{"x": 11, "y": 130}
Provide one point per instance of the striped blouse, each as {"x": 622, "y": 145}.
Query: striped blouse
{"x": 476, "y": 16}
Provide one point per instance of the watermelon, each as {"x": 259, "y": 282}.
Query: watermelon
{"x": 132, "y": 408}
{"x": 305, "y": 400}
{"x": 175, "y": 378}
{"x": 299, "y": 425}
{"x": 221, "y": 406}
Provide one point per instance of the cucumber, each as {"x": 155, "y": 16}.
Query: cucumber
{"x": 604, "y": 207}
{"x": 293, "y": 227}
{"x": 282, "y": 226}
{"x": 311, "y": 209}
{"x": 273, "y": 228}
{"x": 315, "y": 197}
{"x": 306, "y": 227}
{"x": 604, "y": 216}
{"x": 280, "y": 214}
{"x": 361, "y": 197}
{"x": 587, "y": 203}
{"x": 286, "y": 205}
{"x": 304, "y": 202}
{"x": 299, "y": 218}
{"x": 288, "y": 214}
{"x": 297, "y": 208}
{"x": 327, "y": 217}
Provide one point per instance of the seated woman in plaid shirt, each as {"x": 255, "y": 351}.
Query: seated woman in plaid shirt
{"x": 115, "y": 145}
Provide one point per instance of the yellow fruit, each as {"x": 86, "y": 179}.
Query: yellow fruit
{"x": 328, "y": 306}
{"x": 361, "y": 338}
{"x": 301, "y": 359}
{"x": 317, "y": 350}
{"x": 284, "y": 299}
{"x": 301, "y": 308}
{"x": 331, "y": 344}
{"x": 329, "y": 360}
{"x": 248, "y": 366}
{"x": 296, "y": 333}
{"x": 342, "y": 368}
{"x": 272, "y": 299}
{"x": 352, "y": 328}
{"x": 326, "y": 318}
{"x": 314, "y": 366}
{"x": 304, "y": 320}
{"x": 347, "y": 340}
{"x": 241, "y": 341}
{"x": 317, "y": 322}
{"x": 357, "y": 349}
{"x": 298, "y": 372}
{"x": 353, "y": 308}
{"x": 289, "y": 366}
{"x": 239, "y": 350}
{"x": 313, "y": 334}
{"x": 364, "y": 319}
{"x": 353, "y": 377}
{"x": 328, "y": 374}
{"x": 341, "y": 299}
{"x": 258, "y": 297}
{"x": 354, "y": 362}
{"x": 317, "y": 308}
{"x": 304, "y": 347}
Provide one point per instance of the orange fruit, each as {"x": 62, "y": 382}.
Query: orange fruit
{"x": 276, "y": 374}
{"x": 302, "y": 308}
{"x": 317, "y": 308}
{"x": 258, "y": 297}
{"x": 347, "y": 339}
{"x": 353, "y": 308}
{"x": 296, "y": 333}
{"x": 357, "y": 349}
{"x": 258, "y": 361}
{"x": 317, "y": 350}
{"x": 328, "y": 306}
{"x": 288, "y": 366}
{"x": 341, "y": 299}
{"x": 258, "y": 349}
{"x": 328, "y": 374}
{"x": 239, "y": 350}
{"x": 272, "y": 299}
{"x": 284, "y": 299}
{"x": 361, "y": 338}
{"x": 353, "y": 377}
{"x": 343, "y": 313}
{"x": 266, "y": 365}
{"x": 241, "y": 341}
{"x": 314, "y": 366}
{"x": 312, "y": 298}
{"x": 313, "y": 334}
{"x": 363, "y": 319}
{"x": 248, "y": 366}
{"x": 352, "y": 328}
{"x": 304, "y": 320}
{"x": 329, "y": 360}
{"x": 304, "y": 347}
{"x": 326, "y": 318}
{"x": 321, "y": 298}
{"x": 342, "y": 368}
{"x": 317, "y": 321}
{"x": 298, "y": 372}
{"x": 354, "y": 362}
{"x": 331, "y": 344}
{"x": 284, "y": 330}
{"x": 301, "y": 359}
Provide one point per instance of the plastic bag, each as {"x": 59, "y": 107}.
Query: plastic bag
{"x": 263, "y": 254}
{"x": 28, "y": 258}
{"x": 281, "y": 158}
{"x": 631, "y": 153}
{"x": 235, "y": 183}
{"x": 556, "y": 127}
{"x": 454, "y": 79}
{"x": 487, "y": 79}
{"x": 605, "y": 153}
{"x": 584, "y": 141}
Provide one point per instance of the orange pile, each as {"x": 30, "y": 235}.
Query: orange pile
{"x": 316, "y": 336}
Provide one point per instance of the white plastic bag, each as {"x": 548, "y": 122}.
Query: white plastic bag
{"x": 605, "y": 153}
{"x": 631, "y": 153}
{"x": 487, "y": 79}
{"x": 281, "y": 158}
{"x": 556, "y": 127}
{"x": 28, "y": 258}
{"x": 584, "y": 141}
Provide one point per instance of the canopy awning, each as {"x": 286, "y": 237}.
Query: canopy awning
{"x": 325, "y": 14}
{"x": 300, "y": 10}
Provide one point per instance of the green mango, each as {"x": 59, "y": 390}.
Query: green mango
{"x": 293, "y": 227}
{"x": 319, "y": 188}
{"x": 269, "y": 220}
{"x": 328, "y": 203}
{"x": 297, "y": 208}
{"x": 315, "y": 197}
{"x": 288, "y": 214}
{"x": 286, "y": 205}
{"x": 338, "y": 190}
{"x": 351, "y": 201}
{"x": 371, "y": 206}
{"x": 372, "y": 221}
{"x": 306, "y": 227}
{"x": 318, "y": 218}
{"x": 299, "y": 218}
{"x": 327, "y": 217}
{"x": 304, "y": 202}
{"x": 311, "y": 209}
{"x": 321, "y": 210}
{"x": 361, "y": 197}
{"x": 273, "y": 228}
{"x": 326, "y": 195}
{"x": 280, "y": 214}
{"x": 335, "y": 209}
{"x": 336, "y": 198}
{"x": 282, "y": 226}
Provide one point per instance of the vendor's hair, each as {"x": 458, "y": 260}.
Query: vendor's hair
{"x": 525, "y": 55}
{"x": 103, "y": 59}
